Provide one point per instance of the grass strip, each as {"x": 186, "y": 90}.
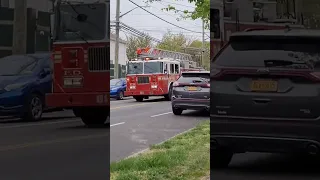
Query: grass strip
{"x": 185, "y": 157}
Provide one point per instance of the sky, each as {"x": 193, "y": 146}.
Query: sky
{"x": 145, "y": 22}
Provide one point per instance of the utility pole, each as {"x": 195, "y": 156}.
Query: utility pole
{"x": 203, "y": 43}
{"x": 116, "y": 52}
{"x": 20, "y": 27}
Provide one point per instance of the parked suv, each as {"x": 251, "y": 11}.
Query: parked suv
{"x": 265, "y": 94}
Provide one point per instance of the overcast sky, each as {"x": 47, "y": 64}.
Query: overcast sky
{"x": 143, "y": 21}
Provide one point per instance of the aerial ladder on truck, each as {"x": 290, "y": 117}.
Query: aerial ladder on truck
{"x": 81, "y": 58}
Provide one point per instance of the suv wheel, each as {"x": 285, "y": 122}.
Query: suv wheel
{"x": 177, "y": 111}
{"x": 34, "y": 108}
{"x": 120, "y": 95}
{"x": 220, "y": 158}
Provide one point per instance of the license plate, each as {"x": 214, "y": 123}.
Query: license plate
{"x": 192, "y": 88}
{"x": 264, "y": 85}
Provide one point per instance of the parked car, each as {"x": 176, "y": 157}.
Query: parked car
{"x": 265, "y": 94}
{"x": 191, "y": 91}
{"x": 24, "y": 81}
{"x": 117, "y": 88}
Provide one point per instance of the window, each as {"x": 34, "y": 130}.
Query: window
{"x": 253, "y": 51}
{"x": 171, "y": 68}
{"x": 190, "y": 77}
{"x": 176, "y": 66}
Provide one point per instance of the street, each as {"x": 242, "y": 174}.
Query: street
{"x": 142, "y": 124}
{"x": 260, "y": 166}
{"x": 59, "y": 147}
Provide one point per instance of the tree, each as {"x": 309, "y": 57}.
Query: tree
{"x": 201, "y": 11}
{"x": 181, "y": 43}
{"x": 133, "y": 43}
{"x": 174, "y": 42}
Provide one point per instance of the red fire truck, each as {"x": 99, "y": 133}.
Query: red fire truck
{"x": 82, "y": 60}
{"x": 153, "y": 73}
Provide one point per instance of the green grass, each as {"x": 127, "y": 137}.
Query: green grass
{"x": 185, "y": 157}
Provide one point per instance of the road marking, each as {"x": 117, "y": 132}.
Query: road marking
{"x": 111, "y": 125}
{"x": 37, "y": 124}
{"x": 141, "y": 104}
{"x": 161, "y": 114}
{"x": 26, "y": 145}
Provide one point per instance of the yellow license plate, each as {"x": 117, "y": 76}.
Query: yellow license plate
{"x": 192, "y": 88}
{"x": 264, "y": 85}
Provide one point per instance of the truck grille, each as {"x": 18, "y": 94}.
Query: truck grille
{"x": 99, "y": 59}
{"x": 143, "y": 79}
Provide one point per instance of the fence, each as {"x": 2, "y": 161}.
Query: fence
{"x": 38, "y": 31}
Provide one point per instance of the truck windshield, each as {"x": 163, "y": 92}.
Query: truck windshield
{"x": 92, "y": 28}
{"x": 145, "y": 68}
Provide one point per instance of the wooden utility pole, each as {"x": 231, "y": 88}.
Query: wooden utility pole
{"x": 20, "y": 27}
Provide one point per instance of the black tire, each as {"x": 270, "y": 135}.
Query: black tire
{"x": 120, "y": 95}
{"x": 177, "y": 111}
{"x": 169, "y": 95}
{"x": 34, "y": 108}
{"x": 220, "y": 158}
{"x": 138, "y": 98}
{"x": 95, "y": 116}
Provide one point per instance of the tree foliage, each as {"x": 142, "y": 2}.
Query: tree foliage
{"x": 133, "y": 43}
{"x": 201, "y": 11}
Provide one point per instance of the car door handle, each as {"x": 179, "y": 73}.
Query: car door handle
{"x": 261, "y": 101}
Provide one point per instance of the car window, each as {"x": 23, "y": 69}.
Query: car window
{"x": 115, "y": 82}
{"x": 191, "y": 77}
{"x": 17, "y": 64}
{"x": 252, "y": 52}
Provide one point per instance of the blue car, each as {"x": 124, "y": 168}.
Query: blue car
{"x": 24, "y": 81}
{"x": 117, "y": 88}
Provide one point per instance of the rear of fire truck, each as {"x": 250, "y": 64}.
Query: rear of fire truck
{"x": 82, "y": 60}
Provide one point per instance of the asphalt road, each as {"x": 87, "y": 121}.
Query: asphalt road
{"x": 59, "y": 147}
{"x": 141, "y": 124}
{"x": 259, "y": 166}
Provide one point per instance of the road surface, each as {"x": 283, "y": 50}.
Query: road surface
{"x": 142, "y": 124}
{"x": 260, "y": 166}
{"x": 59, "y": 147}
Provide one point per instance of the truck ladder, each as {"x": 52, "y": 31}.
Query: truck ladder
{"x": 160, "y": 53}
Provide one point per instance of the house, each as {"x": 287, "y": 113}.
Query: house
{"x": 123, "y": 59}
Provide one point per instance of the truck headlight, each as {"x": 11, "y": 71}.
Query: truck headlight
{"x": 73, "y": 81}
{"x": 154, "y": 86}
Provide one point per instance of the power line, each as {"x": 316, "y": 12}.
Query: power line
{"x": 177, "y": 4}
{"x": 162, "y": 18}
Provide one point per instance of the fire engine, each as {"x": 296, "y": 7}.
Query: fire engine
{"x": 81, "y": 60}
{"x": 153, "y": 73}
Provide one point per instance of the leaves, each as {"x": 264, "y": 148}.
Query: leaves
{"x": 134, "y": 43}
{"x": 201, "y": 11}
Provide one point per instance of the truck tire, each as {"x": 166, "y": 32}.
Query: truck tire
{"x": 95, "y": 116}
{"x": 220, "y": 158}
{"x": 169, "y": 95}
{"x": 138, "y": 98}
{"x": 34, "y": 108}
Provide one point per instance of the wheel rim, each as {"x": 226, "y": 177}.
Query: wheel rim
{"x": 121, "y": 95}
{"x": 36, "y": 107}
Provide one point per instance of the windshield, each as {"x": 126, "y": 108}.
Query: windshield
{"x": 145, "y": 68}
{"x": 93, "y": 28}
{"x": 17, "y": 65}
{"x": 115, "y": 82}
{"x": 244, "y": 52}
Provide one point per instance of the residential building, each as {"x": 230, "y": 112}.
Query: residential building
{"x": 123, "y": 59}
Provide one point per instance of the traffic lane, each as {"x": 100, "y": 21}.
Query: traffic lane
{"x": 78, "y": 158}
{"x": 263, "y": 166}
{"x": 132, "y": 110}
{"x": 16, "y": 133}
{"x": 148, "y": 125}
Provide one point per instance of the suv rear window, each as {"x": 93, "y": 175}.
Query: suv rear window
{"x": 253, "y": 51}
{"x": 191, "y": 77}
